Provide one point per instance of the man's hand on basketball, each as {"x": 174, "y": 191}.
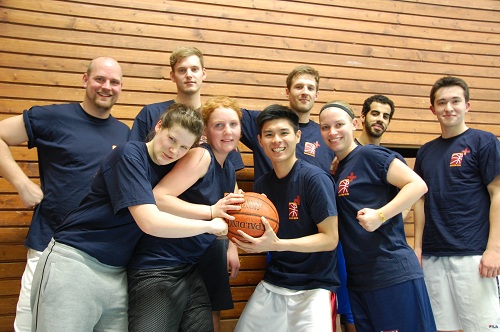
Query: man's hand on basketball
{"x": 229, "y": 202}
{"x": 267, "y": 242}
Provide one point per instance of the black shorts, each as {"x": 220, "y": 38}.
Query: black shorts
{"x": 213, "y": 268}
{"x": 168, "y": 299}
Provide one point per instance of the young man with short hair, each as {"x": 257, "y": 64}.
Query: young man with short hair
{"x": 301, "y": 276}
{"x": 188, "y": 73}
{"x": 459, "y": 247}
{"x": 302, "y": 89}
{"x": 375, "y": 117}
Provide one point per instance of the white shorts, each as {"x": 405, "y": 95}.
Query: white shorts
{"x": 22, "y": 323}
{"x": 277, "y": 309}
{"x": 460, "y": 298}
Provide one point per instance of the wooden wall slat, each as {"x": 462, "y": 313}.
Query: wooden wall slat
{"x": 91, "y": 11}
{"x": 398, "y": 48}
{"x": 271, "y": 74}
{"x": 217, "y": 79}
{"x": 59, "y": 35}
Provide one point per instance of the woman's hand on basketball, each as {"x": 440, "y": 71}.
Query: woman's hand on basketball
{"x": 267, "y": 242}
{"x": 219, "y": 227}
{"x": 229, "y": 202}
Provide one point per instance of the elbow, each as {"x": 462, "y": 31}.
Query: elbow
{"x": 335, "y": 244}
{"x": 147, "y": 226}
{"x": 423, "y": 188}
{"x": 332, "y": 243}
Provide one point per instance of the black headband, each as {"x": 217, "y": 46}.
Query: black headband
{"x": 342, "y": 107}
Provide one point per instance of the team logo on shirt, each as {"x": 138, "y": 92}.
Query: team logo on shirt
{"x": 293, "y": 209}
{"x": 344, "y": 185}
{"x": 457, "y": 158}
{"x": 310, "y": 148}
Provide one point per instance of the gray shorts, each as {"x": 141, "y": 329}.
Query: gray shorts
{"x": 73, "y": 291}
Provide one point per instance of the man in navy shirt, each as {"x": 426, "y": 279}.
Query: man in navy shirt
{"x": 459, "y": 247}
{"x": 302, "y": 89}
{"x": 71, "y": 141}
{"x": 301, "y": 277}
{"x": 188, "y": 73}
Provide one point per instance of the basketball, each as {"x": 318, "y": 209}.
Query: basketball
{"x": 248, "y": 219}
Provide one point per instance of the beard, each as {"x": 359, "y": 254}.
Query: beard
{"x": 373, "y": 132}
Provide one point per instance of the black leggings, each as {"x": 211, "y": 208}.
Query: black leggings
{"x": 169, "y": 299}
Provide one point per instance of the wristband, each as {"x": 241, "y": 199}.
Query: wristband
{"x": 381, "y": 215}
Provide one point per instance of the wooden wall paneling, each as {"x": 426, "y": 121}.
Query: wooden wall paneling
{"x": 397, "y": 48}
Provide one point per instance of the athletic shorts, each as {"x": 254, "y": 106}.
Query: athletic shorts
{"x": 73, "y": 291}
{"x": 401, "y": 307}
{"x": 344, "y": 306}
{"x": 277, "y": 309}
{"x": 168, "y": 299}
{"x": 213, "y": 269}
{"x": 461, "y": 299}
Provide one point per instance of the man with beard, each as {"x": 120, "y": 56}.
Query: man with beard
{"x": 375, "y": 118}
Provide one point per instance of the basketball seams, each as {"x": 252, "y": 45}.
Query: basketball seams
{"x": 250, "y": 220}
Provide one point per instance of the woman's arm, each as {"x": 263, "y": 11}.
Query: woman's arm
{"x": 189, "y": 169}
{"x": 162, "y": 224}
{"x": 411, "y": 186}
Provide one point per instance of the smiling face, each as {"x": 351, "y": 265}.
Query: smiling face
{"x": 279, "y": 141}
{"x": 302, "y": 93}
{"x": 103, "y": 85}
{"x": 223, "y": 130}
{"x": 337, "y": 131}
{"x": 376, "y": 121}
{"x": 188, "y": 75}
{"x": 450, "y": 108}
{"x": 170, "y": 144}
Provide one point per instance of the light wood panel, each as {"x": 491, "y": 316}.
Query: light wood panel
{"x": 396, "y": 48}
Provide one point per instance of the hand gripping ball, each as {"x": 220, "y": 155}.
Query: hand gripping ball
{"x": 248, "y": 219}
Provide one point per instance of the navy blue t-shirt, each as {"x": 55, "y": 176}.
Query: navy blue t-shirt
{"x": 311, "y": 147}
{"x": 381, "y": 258}
{"x": 146, "y": 120}
{"x": 70, "y": 145}
{"x": 304, "y": 198}
{"x": 457, "y": 171}
{"x": 102, "y": 226}
{"x": 153, "y": 252}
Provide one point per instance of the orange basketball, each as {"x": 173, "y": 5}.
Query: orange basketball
{"x": 248, "y": 218}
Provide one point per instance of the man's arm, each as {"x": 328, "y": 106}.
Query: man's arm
{"x": 326, "y": 239}
{"x": 489, "y": 267}
{"x": 13, "y": 132}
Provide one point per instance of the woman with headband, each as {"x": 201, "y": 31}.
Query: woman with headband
{"x": 373, "y": 186}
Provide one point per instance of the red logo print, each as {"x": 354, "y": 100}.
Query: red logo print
{"x": 456, "y": 159}
{"x": 344, "y": 188}
{"x": 310, "y": 148}
{"x": 293, "y": 211}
